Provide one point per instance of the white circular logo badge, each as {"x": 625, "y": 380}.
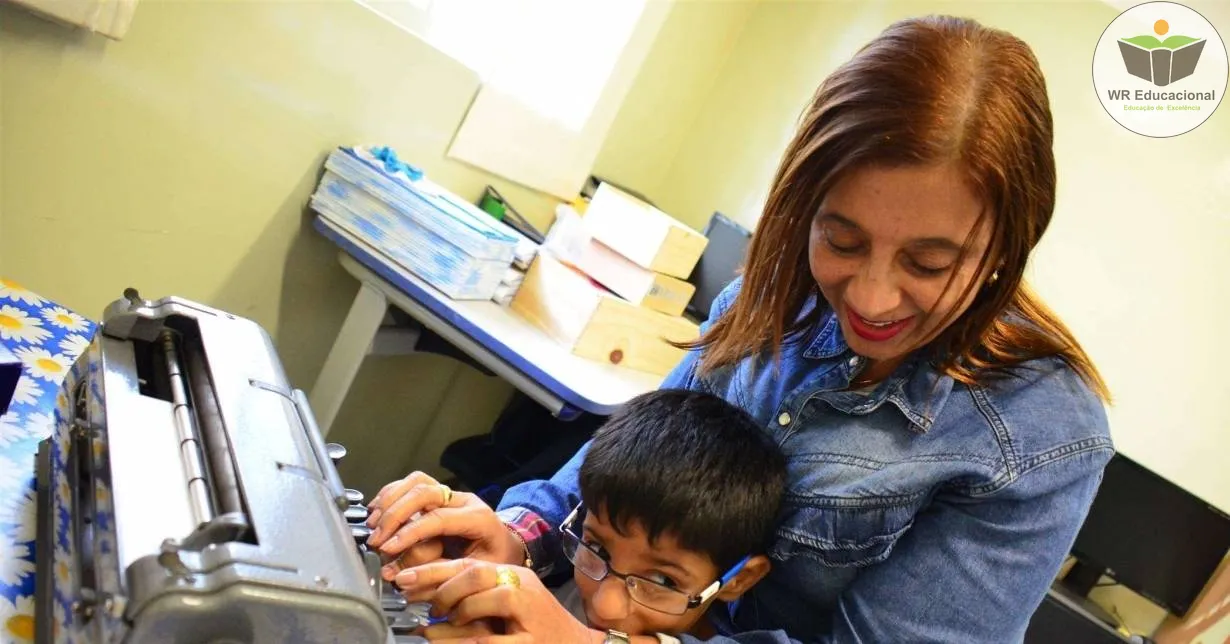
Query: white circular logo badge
{"x": 1160, "y": 69}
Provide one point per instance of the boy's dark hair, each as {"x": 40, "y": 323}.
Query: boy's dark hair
{"x": 689, "y": 464}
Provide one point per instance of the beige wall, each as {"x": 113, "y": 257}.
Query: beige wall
{"x": 179, "y": 160}
{"x": 677, "y": 78}
{"x": 728, "y": 156}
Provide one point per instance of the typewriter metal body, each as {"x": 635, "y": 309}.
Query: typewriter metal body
{"x": 186, "y": 495}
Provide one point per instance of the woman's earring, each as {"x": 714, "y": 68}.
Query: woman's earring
{"x": 994, "y": 277}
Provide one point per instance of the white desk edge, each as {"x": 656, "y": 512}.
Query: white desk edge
{"x": 605, "y": 386}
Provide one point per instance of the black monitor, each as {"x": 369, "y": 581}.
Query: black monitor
{"x": 1151, "y": 536}
{"x": 719, "y": 264}
{"x": 1060, "y": 619}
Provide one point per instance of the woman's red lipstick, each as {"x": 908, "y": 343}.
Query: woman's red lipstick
{"x": 875, "y": 333}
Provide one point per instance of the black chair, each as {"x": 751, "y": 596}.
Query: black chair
{"x": 526, "y": 443}
{"x": 719, "y": 264}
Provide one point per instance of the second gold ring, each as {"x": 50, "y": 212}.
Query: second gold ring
{"x": 505, "y": 576}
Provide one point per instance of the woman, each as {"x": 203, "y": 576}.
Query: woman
{"x": 945, "y": 432}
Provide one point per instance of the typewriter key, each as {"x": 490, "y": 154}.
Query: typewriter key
{"x": 356, "y": 514}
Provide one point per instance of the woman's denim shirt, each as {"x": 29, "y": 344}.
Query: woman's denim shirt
{"x": 922, "y": 511}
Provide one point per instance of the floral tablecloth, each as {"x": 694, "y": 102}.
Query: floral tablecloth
{"x": 47, "y": 338}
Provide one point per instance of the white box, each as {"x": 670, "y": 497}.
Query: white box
{"x": 570, "y": 239}
{"x": 642, "y": 233}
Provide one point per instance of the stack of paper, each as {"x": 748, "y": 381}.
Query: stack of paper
{"x": 426, "y": 229}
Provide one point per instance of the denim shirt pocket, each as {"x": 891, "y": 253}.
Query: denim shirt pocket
{"x": 839, "y": 532}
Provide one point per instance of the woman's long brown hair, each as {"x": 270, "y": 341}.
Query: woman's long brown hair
{"x": 925, "y": 91}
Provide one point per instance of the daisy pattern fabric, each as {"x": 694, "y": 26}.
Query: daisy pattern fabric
{"x": 48, "y": 339}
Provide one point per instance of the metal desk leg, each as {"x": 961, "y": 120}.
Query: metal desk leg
{"x": 347, "y": 354}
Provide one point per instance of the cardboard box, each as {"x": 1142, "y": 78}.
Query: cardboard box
{"x": 110, "y": 18}
{"x": 639, "y": 286}
{"x": 570, "y": 239}
{"x": 595, "y": 324}
{"x": 647, "y": 236}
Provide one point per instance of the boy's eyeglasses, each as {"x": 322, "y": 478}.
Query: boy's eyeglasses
{"x": 645, "y": 592}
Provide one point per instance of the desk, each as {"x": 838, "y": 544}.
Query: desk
{"x": 47, "y": 339}
{"x": 491, "y": 335}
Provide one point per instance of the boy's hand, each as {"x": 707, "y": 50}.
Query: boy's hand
{"x": 412, "y": 524}
{"x": 470, "y": 632}
{"x": 420, "y": 583}
{"x": 477, "y": 591}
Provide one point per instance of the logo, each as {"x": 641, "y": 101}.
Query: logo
{"x": 1161, "y": 62}
{"x": 1160, "y": 45}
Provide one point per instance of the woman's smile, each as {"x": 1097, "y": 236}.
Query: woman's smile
{"x": 874, "y": 331}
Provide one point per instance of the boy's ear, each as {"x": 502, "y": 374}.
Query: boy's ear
{"x": 753, "y": 571}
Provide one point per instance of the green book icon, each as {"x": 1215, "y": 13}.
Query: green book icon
{"x": 1161, "y": 62}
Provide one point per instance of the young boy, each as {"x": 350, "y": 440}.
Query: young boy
{"x": 680, "y": 493}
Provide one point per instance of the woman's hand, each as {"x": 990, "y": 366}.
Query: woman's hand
{"x": 470, "y": 591}
{"x": 412, "y": 523}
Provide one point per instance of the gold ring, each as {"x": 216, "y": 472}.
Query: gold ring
{"x": 446, "y": 492}
{"x": 505, "y": 576}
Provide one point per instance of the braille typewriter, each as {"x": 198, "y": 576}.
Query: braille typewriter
{"x": 187, "y": 496}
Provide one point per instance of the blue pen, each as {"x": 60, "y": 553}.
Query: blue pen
{"x": 427, "y": 620}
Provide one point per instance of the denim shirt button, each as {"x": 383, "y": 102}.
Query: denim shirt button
{"x": 784, "y": 419}
{"x": 854, "y": 362}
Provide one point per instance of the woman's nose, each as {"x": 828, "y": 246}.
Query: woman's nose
{"x": 873, "y": 292}
{"x": 611, "y": 601}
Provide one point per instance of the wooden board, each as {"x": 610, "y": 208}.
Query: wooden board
{"x": 556, "y": 299}
{"x": 595, "y": 324}
{"x": 680, "y": 252}
{"x": 634, "y": 337}
{"x": 668, "y": 295}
